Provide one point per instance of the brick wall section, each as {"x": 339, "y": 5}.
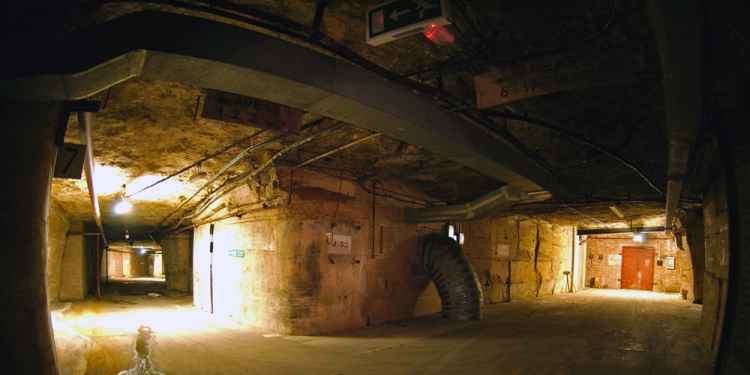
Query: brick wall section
{"x": 57, "y": 230}
{"x": 600, "y": 247}
{"x": 272, "y": 268}
{"x": 493, "y": 245}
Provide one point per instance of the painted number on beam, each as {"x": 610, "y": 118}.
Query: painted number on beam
{"x": 70, "y": 159}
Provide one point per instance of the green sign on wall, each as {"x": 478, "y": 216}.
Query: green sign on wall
{"x": 400, "y": 18}
{"x": 237, "y": 253}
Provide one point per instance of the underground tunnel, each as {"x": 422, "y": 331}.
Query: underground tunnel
{"x": 367, "y": 187}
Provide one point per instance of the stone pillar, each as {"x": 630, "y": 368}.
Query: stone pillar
{"x": 28, "y": 133}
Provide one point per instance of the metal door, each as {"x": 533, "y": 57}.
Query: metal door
{"x": 637, "y": 268}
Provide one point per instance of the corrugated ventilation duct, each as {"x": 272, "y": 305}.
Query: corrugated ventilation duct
{"x": 454, "y": 277}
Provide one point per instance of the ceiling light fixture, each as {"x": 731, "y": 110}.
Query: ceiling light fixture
{"x": 123, "y": 206}
{"x": 639, "y": 237}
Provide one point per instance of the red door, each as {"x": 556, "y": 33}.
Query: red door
{"x": 637, "y": 268}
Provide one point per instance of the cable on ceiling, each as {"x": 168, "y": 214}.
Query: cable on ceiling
{"x": 577, "y": 138}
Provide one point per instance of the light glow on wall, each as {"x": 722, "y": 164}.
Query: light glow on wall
{"x": 163, "y": 320}
{"x": 123, "y": 206}
{"x": 108, "y": 180}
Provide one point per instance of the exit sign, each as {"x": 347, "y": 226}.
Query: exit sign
{"x": 397, "y": 19}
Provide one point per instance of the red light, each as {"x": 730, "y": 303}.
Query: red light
{"x": 439, "y": 34}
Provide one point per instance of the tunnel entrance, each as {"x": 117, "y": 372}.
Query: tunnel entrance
{"x": 133, "y": 268}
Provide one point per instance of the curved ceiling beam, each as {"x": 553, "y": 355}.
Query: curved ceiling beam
{"x": 214, "y": 55}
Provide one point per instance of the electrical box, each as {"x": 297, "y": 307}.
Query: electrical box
{"x": 398, "y": 19}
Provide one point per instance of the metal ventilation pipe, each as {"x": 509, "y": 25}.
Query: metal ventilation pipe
{"x": 503, "y": 197}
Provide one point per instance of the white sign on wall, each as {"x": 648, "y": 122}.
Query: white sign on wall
{"x": 338, "y": 244}
{"x": 502, "y": 250}
{"x": 669, "y": 262}
{"x": 614, "y": 259}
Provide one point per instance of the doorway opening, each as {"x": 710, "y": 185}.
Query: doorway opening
{"x": 135, "y": 265}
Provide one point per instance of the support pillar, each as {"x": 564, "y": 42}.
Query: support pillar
{"x": 697, "y": 244}
{"x": 28, "y": 143}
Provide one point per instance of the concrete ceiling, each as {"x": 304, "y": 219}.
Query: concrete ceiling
{"x": 149, "y": 129}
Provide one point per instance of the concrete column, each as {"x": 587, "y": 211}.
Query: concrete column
{"x": 28, "y": 133}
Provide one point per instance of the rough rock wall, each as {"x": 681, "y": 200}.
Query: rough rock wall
{"x": 321, "y": 261}
{"x": 178, "y": 262}
{"x": 716, "y": 277}
{"x": 57, "y": 230}
{"x": 598, "y": 264}
{"x": 535, "y": 254}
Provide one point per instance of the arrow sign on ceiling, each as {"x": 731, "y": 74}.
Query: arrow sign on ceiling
{"x": 397, "y": 19}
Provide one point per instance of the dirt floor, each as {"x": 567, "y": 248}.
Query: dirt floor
{"x": 591, "y": 332}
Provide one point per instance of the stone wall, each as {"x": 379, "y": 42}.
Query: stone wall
{"x": 74, "y": 272}
{"x": 598, "y": 264}
{"x": 178, "y": 261}
{"x": 114, "y": 264}
{"x": 57, "y": 230}
{"x": 716, "y": 276}
{"x": 533, "y": 253}
{"x": 326, "y": 258}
